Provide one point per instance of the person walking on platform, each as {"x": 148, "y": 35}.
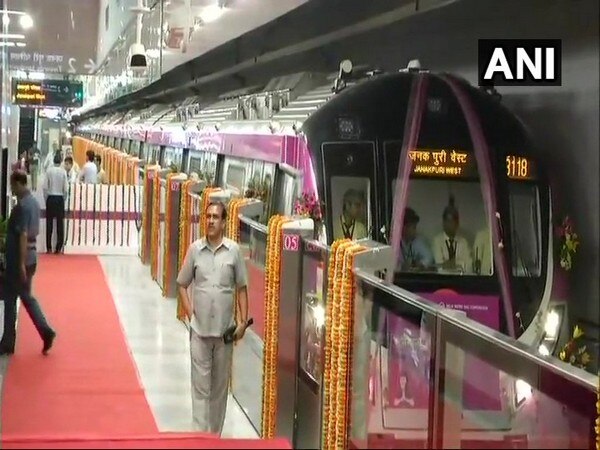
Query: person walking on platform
{"x": 89, "y": 171}
{"x": 21, "y": 263}
{"x": 56, "y": 187}
{"x": 215, "y": 268}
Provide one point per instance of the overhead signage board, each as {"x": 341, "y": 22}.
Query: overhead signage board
{"x": 47, "y": 93}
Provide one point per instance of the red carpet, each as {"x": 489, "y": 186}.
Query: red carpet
{"x": 86, "y": 392}
{"x": 163, "y": 440}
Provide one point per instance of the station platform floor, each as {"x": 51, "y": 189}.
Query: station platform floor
{"x": 156, "y": 341}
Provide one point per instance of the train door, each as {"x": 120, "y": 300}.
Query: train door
{"x": 350, "y": 190}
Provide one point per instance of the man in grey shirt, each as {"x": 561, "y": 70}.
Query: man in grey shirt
{"x": 215, "y": 268}
{"x": 21, "y": 263}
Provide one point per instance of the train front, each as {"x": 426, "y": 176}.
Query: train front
{"x": 445, "y": 174}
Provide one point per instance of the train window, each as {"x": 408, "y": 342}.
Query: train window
{"x": 267, "y": 189}
{"x": 525, "y": 229}
{"x": 445, "y": 229}
{"x": 134, "y": 148}
{"x": 174, "y": 156}
{"x": 153, "y": 154}
{"x": 286, "y": 193}
{"x": 125, "y": 143}
{"x": 235, "y": 178}
{"x": 196, "y": 162}
{"x": 210, "y": 168}
{"x": 350, "y": 206}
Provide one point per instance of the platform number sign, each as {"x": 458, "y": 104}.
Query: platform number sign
{"x": 174, "y": 186}
{"x": 291, "y": 242}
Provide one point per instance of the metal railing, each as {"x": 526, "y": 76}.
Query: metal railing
{"x": 564, "y": 395}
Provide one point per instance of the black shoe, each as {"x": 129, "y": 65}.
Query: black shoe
{"x": 48, "y": 341}
{"x": 57, "y": 252}
{"x": 4, "y": 351}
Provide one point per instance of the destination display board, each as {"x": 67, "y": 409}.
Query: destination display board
{"x": 47, "y": 93}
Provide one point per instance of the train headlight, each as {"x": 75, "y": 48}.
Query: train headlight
{"x": 543, "y": 350}
{"x": 551, "y": 331}
{"x": 522, "y": 392}
{"x": 319, "y": 315}
{"x": 552, "y": 324}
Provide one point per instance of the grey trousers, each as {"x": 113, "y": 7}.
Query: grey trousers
{"x": 211, "y": 367}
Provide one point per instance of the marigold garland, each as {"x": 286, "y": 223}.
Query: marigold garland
{"x": 148, "y": 196}
{"x": 337, "y": 384}
{"x": 155, "y": 226}
{"x": 167, "y": 241}
{"x": 272, "y": 285}
{"x": 184, "y": 235}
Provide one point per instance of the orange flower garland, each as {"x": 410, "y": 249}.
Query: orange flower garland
{"x": 148, "y": 195}
{"x": 184, "y": 234}
{"x": 272, "y": 286}
{"x": 167, "y": 241}
{"x": 155, "y": 226}
{"x": 333, "y": 336}
{"x": 339, "y": 343}
{"x": 327, "y": 374}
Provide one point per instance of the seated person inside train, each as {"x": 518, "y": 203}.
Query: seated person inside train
{"x": 482, "y": 253}
{"x": 414, "y": 250}
{"x": 451, "y": 251}
{"x": 348, "y": 225}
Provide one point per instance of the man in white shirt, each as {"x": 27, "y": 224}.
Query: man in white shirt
{"x": 70, "y": 169}
{"x": 450, "y": 250}
{"x": 89, "y": 171}
{"x": 69, "y": 154}
{"x": 55, "y": 192}
{"x": 101, "y": 178}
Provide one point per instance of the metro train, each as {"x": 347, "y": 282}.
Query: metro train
{"x": 387, "y": 155}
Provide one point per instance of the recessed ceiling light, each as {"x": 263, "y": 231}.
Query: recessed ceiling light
{"x": 26, "y": 21}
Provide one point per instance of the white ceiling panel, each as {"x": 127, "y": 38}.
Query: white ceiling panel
{"x": 203, "y": 26}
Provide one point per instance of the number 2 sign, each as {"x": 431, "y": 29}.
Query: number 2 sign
{"x": 291, "y": 242}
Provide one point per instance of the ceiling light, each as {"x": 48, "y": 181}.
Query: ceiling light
{"x": 11, "y": 36}
{"x": 7, "y": 44}
{"x": 21, "y": 44}
{"x": 211, "y": 13}
{"x": 5, "y": 20}
{"x": 26, "y": 21}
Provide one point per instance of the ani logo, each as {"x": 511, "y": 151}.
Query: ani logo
{"x": 520, "y": 62}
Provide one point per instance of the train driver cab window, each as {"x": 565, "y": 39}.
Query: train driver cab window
{"x": 350, "y": 206}
{"x": 445, "y": 228}
{"x": 525, "y": 229}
